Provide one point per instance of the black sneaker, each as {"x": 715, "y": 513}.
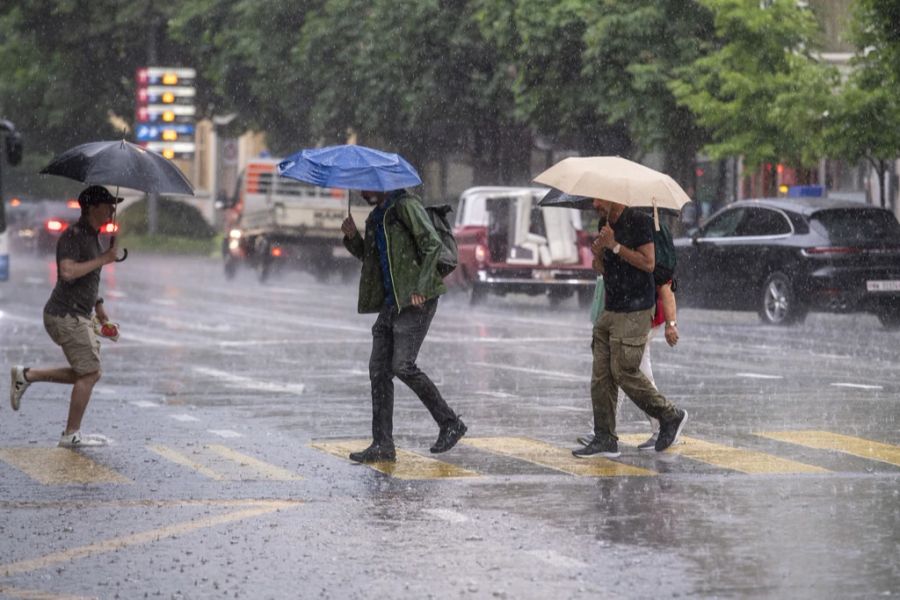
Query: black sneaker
{"x": 449, "y": 435}
{"x": 670, "y": 430}
{"x": 375, "y": 453}
{"x": 598, "y": 447}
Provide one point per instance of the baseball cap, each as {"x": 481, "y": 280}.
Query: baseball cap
{"x": 96, "y": 194}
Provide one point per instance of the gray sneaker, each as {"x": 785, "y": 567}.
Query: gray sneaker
{"x": 649, "y": 444}
{"x": 17, "y": 385}
{"x": 598, "y": 447}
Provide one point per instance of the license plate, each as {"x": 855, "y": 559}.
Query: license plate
{"x": 883, "y": 286}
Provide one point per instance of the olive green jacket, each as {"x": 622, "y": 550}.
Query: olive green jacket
{"x": 413, "y": 251}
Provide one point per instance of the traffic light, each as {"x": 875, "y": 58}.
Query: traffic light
{"x": 165, "y": 110}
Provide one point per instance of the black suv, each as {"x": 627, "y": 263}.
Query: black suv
{"x": 786, "y": 256}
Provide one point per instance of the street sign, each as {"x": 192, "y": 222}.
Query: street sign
{"x": 165, "y": 110}
{"x": 147, "y": 132}
{"x": 182, "y": 150}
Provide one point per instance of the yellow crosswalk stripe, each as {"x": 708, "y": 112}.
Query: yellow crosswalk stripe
{"x": 262, "y": 469}
{"x": 552, "y": 457}
{"x": 59, "y": 466}
{"x": 224, "y": 464}
{"x": 409, "y": 465}
{"x": 728, "y": 457}
{"x": 825, "y": 440}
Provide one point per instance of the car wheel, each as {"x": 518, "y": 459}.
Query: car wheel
{"x": 585, "y": 298}
{"x": 478, "y": 294}
{"x": 890, "y": 318}
{"x": 779, "y": 304}
{"x": 230, "y": 267}
{"x": 557, "y": 296}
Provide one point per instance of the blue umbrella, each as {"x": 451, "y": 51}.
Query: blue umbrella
{"x": 351, "y": 168}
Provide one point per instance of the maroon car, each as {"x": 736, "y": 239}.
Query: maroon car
{"x": 509, "y": 244}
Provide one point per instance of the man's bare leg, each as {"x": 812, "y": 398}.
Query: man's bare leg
{"x": 55, "y": 375}
{"x": 81, "y": 395}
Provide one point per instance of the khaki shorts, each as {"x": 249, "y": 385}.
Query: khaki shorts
{"x": 79, "y": 343}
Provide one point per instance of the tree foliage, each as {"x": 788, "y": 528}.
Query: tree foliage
{"x": 486, "y": 80}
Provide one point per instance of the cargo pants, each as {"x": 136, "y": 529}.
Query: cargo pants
{"x": 618, "y": 345}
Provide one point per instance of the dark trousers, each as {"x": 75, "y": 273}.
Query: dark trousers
{"x": 396, "y": 339}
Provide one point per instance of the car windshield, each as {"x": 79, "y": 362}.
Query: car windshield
{"x": 857, "y": 226}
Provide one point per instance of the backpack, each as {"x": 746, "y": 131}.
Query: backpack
{"x": 449, "y": 258}
{"x": 665, "y": 256}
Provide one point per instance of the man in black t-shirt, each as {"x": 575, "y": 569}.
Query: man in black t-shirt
{"x": 626, "y": 247}
{"x": 67, "y": 314}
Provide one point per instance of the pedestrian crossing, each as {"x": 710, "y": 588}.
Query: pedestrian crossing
{"x": 475, "y": 457}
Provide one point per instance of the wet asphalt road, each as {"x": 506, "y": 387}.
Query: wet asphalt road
{"x": 224, "y": 400}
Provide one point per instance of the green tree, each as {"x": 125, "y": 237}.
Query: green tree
{"x": 633, "y": 49}
{"x": 67, "y": 67}
{"x": 864, "y": 120}
{"x": 760, "y": 93}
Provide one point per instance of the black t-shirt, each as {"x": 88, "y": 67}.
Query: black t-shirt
{"x": 79, "y": 243}
{"x": 628, "y": 289}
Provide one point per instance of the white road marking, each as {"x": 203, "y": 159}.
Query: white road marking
{"x": 144, "y": 404}
{"x": 757, "y": 376}
{"x": 558, "y": 374}
{"x": 860, "y": 386}
{"x": 163, "y": 301}
{"x": 184, "y": 418}
{"x": 248, "y": 383}
{"x": 225, "y": 433}
{"x": 446, "y": 515}
{"x": 552, "y": 557}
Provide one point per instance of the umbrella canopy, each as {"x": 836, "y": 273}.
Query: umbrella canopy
{"x": 122, "y": 164}
{"x": 615, "y": 179}
{"x": 350, "y": 167}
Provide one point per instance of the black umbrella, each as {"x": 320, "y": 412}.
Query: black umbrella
{"x": 560, "y": 199}
{"x": 121, "y": 164}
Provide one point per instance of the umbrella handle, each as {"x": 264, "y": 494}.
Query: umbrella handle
{"x": 112, "y": 240}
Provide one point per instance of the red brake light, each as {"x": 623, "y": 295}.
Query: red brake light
{"x": 15, "y": 202}
{"x": 110, "y": 228}
{"x": 824, "y": 250}
{"x": 72, "y": 203}
{"x": 480, "y": 253}
{"x": 54, "y": 225}
{"x": 276, "y": 251}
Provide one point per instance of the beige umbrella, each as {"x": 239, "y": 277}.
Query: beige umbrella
{"x": 615, "y": 179}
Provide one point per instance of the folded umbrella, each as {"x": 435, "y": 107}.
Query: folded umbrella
{"x": 350, "y": 167}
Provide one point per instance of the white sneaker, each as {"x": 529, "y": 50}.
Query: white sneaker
{"x": 76, "y": 440}
{"x": 17, "y": 385}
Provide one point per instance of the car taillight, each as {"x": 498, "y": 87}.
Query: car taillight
{"x": 480, "y": 253}
{"x": 110, "y": 228}
{"x": 55, "y": 225}
{"x": 830, "y": 250}
{"x": 276, "y": 251}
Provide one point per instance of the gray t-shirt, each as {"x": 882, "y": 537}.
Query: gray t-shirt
{"x": 79, "y": 243}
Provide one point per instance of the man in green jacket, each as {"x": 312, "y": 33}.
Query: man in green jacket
{"x": 400, "y": 282}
